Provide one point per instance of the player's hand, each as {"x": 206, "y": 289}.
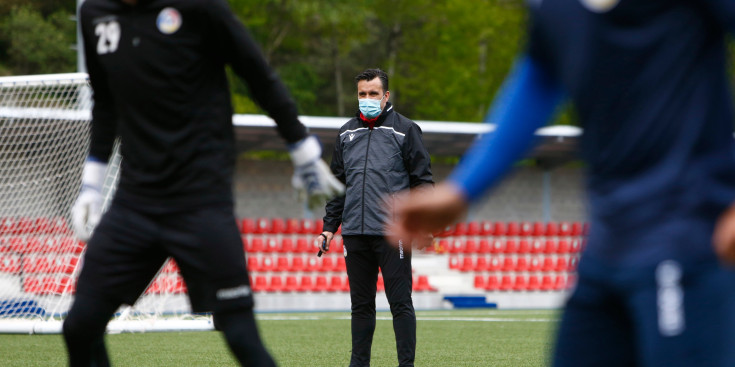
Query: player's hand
{"x": 724, "y": 236}
{"x": 87, "y": 209}
{"x": 312, "y": 177}
{"x": 426, "y": 212}
{"x": 320, "y": 243}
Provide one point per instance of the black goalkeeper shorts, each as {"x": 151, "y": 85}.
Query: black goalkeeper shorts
{"x": 129, "y": 246}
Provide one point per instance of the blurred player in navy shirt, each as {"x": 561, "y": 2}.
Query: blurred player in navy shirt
{"x": 649, "y": 83}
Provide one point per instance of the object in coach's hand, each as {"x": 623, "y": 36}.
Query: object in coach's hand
{"x": 324, "y": 246}
{"x": 312, "y": 177}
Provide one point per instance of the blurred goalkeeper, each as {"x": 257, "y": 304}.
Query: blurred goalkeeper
{"x": 157, "y": 69}
{"x": 649, "y": 82}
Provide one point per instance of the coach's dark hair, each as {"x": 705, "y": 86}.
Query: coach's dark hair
{"x": 371, "y": 74}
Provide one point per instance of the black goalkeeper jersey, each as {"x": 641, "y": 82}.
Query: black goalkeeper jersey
{"x": 158, "y": 74}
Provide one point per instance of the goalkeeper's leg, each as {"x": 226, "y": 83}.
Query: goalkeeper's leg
{"x": 241, "y": 332}
{"x": 84, "y": 330}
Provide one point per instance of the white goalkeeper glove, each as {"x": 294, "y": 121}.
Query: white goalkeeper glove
{"x": 312, "y": 176}
{"x": 87, "y": 210}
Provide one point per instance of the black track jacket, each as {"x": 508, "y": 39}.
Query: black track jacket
{"x": 374, "y": 165}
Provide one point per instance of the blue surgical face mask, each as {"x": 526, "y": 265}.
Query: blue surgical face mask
{"x": 369, "y": 107}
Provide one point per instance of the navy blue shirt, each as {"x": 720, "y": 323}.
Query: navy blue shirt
{"x": 649, "y": 84}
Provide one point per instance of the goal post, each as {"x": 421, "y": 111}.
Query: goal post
{"x": 44, "y": 140}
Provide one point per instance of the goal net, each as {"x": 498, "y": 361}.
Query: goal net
{"x": 44, "y": 136}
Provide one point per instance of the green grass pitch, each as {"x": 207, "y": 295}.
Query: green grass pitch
{"x": 458, "y": 338}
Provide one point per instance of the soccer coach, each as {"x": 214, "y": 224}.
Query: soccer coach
{"x": 377, "y": 153}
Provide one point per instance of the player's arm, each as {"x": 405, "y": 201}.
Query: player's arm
{"x": 87, "y": 209}
{"x": 527, "y": 101}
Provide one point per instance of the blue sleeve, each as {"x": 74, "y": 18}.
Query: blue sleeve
{"x": 526, "y": 102}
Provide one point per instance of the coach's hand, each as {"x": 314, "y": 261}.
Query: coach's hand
{"x": 87, "y": 210}
{"x": 319, "y": 241}
{"x": 312, "y": 177}
{"x": 724, "y": 236}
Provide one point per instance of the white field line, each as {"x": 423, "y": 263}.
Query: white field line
{"x": 418, "y": 318}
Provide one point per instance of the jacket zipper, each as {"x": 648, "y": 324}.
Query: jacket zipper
{"x": 364, "y": 178}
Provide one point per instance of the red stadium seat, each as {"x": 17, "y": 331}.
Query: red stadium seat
{"x": 297, "y": 264}
{"x": 253, "y": 264}
{"x": 495, "y": 264}
{"x": 525, "y": 229}
{"x": 336, "y": 284}
{"x": 565, "y": 229}
{"x": 261, "y": 283}
{"x": 10, "y": 264}
{"x": 293, "y": 226}
{"x": 267, "y": 264}
{"x": 561, "y": 264}
{"x": 307, "y": 226}
{"x": 508, "y": 264}
{"x": 498, "y": 247}
{"x": 521, "y": 264}
{"x": 546, "y": 283}
{"x": 577, "y": 229}
{"x": 482, "y": 264}
{"x": 524, "y": 247}
{"x": 473, "y": 228}
{"x": 318, "y": 226}
{"x": 470, "y": 247}
{"x": 480, "y": 282}
{"x": 576, "y": 246}
{"x": 312, "y": 264}
{"x": 255, "y": 245}
{"x": 513, "y": 229}
{"x": 262, "y": 225}
{"x": 551, "y": 247}
{"x": 422, "y": 285}
{"x": 467, "y": 264}
{"x": 538, "y": 247}
{"x": 510, "y": 247}
{"x": 380, "y": 285}
{"x": 492, "y": 283}
{"x": 487, "y": 228}
{"x": 455, "y": 246}
{"x": 442, "y": 246}
{"x": 276, "y": 284}
{"x": 303, "y": 246}
{"x": 484, "y": 247}
{"x": 573, "y": 263}
{"x": 535, "y": 264}
{"x": 506, "y": 283}
{"x": 321, "y": 284}
{"x": 533, "y": 283}
{"x": 282, "y": 264}
{"x": 460, "y": 229}
{"x": 306, "y": 284}
{"x": 341, "y": 264}
{"x": 520, "y": 283}
{"x": 539, "y": 229}
{"x": 563, "y": 247}
{"x": 247, "y": 226}
{"x": 499, "y": 229}
{"x": 336, "y": 247}
{"x": 560, "y": 283}
{"x": 552, "y": 229}
{"x": 548, "y": 264}
{"x": 292, "y": 284}
{"x": 287, "y": 246}
{"x": 271, "y": 245}
{"x": 278, "y": 226}
{"x": 327, "y": 264}
{"x": 454, "y": 263}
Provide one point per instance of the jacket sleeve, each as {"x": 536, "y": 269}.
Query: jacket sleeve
{"x": 104, "y": 118}
{"x": 244, "y": 55}
{"x": 334, "y": 208}
{"x": 416, "y": 158}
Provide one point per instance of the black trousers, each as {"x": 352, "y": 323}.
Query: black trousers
{"x": 364, "y": 255}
